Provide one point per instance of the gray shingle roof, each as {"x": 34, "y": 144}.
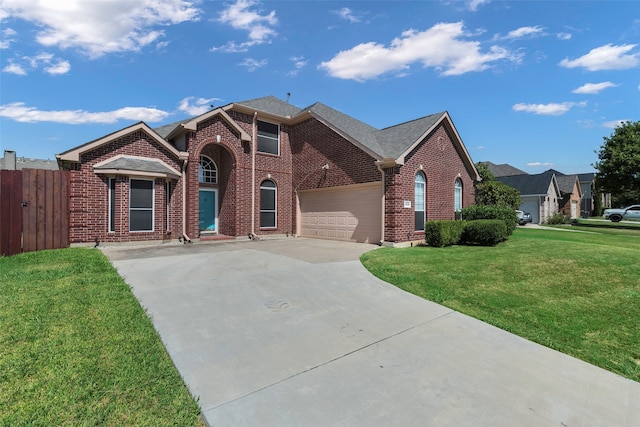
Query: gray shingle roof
{"x": 528, "y": 184}
{"x": 390, "y": 142}
{"x": 396, "y": 139}
{"x": 165, "y": 130}
{"x": 503, "y": 169}
{"x": 135, "y": 164}
{"x": 566, "y": 183}
{"x": 272, "y": 105}
{"x": 26, "y": 163}
{"x": 347, "y": 125}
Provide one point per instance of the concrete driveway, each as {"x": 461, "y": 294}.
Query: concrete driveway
{"x": 295, "y": 332}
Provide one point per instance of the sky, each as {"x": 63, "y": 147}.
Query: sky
{"x": 535, "y": 84}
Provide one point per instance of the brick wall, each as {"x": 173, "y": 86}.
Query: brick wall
{"x": 438, "y": 158}
{"x": 89, "y": 194}
{"x": 234, "y": 161}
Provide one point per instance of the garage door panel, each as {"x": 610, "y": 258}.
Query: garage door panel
{"x": 342, "y": 214}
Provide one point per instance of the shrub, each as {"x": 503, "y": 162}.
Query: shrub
{"x": 441, "y": 233}
{"x": 556, "y": 218}
{"x": 509, "y": 216}
{"x": 485, "y": 232}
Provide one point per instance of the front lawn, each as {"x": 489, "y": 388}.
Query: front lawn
{"x": 578, "y": 293}
{"x": 77, "y": 348}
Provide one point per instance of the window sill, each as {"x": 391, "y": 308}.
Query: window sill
{"x": 267, "y": 154}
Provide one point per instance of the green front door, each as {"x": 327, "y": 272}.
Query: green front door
{"x": 207, "y": 213}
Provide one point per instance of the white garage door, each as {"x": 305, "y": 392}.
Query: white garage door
{"x": 351, "y": 212}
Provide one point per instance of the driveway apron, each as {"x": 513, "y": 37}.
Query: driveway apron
{"x": 295, "y": 332}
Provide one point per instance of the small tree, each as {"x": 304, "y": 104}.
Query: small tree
{"x": 484, "y": 172}
{"x": 490, "y": 192}
{"x": 496, "y": 193}
{"x": 619, "y": 164}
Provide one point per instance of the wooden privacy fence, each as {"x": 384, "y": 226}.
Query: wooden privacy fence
{"x": 34, "y": 210}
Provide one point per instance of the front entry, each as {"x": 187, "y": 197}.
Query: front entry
{"x": 208, "y": 210}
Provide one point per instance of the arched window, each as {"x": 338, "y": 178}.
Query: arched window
{"x": 419, "y": 201}
{"x": 207, "y": 171}
{"x": 268, "y": 211}
{"x": 457, "y": 195}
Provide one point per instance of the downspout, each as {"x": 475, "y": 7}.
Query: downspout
{"x": 253, "y": 174}
{"x": 383, "y": 203}
{"x": 184, "y": 202}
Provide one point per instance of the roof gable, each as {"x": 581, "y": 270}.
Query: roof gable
{"x": 74, "y": 154}
{"x": 193, "y": 124}
{"x": 136, "y": 165}
{"x": 532, "y": 185}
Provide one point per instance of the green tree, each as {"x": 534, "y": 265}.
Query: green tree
{"x": 495, "y": 193}
{"x": 619, "y": 164}
{"x": 484, "y": 172}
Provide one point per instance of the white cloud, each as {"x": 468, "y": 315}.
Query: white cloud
{"x": 564, "y": 36}
{"x": 100, "y": 27}
{"x": 299, "y": 63}
{"x": 6, "y": 34}
{"x": 51, "y": 64}
{"x": 253, "y": 64}
{"x": 614, "y": 123}
{"x": 607, "y": 57}
{"x": 593, "y": 88}
{"x": 241, "y": 17}
{"x": 347, "y": 14}
{"x": 14, "y": 68}
{"x": 19, "y": 112}
{"x": 552, "y": 109}
{"x": 196, "y": 106}
{"x": 61, "y": 67}
{"x": 441, "y": 47}
{"x": 539, "y": 164}
{"x": 473, "y": 4}
{"x": 526, "y": 32}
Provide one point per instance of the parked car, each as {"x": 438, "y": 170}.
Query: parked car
{"x": 524, "y": 217}
{"x": 630, "y": 212}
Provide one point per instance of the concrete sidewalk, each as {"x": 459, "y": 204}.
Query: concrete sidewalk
{"x": 296, "y": 332}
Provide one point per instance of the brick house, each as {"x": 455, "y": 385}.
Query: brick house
{"x": 265, "y": 167}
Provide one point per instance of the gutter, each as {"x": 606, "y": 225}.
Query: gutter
{"x": 253, "y": 173}
{"x": 184, "y": 201}
{"x": 383, "y": 202}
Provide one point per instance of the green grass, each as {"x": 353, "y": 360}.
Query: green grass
{"x": 77, "y": 348}
{"x": 578, "y": 293}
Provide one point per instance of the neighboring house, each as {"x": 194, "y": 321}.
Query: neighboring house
{"x": 265, "y": 167}
{"x": 12, "y": 162}
{"x": 570, "y": 192}
{"x": 540, "y": 194}
{"x": 503, "y": 169}
{"x": 588, "y": 187}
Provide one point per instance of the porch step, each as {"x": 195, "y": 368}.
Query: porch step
{"x": 215, "y": 237}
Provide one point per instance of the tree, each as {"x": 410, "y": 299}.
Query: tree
{"x": 497, "y": 194}
{"x": 619, "y": 164}
{"x": 490, "y": 192}
{"x": 484, "y": 172}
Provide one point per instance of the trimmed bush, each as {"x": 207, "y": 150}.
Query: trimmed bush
{"x": 484, "y": 232}
{"x": 441, "y": 233}
{"x": 509, "y": 216}
{"x": 556, "y": 218}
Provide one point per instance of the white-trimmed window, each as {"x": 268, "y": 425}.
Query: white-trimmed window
{"x": 141, "y": 198}
{"x": 268, "y": 203}
{"x": 207, "y": 171}
{"x": 419, "y": 202}
{"x": 268, "y": 138}
{"x": 112, "y": 205}
{"x": 457, "y": 195}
